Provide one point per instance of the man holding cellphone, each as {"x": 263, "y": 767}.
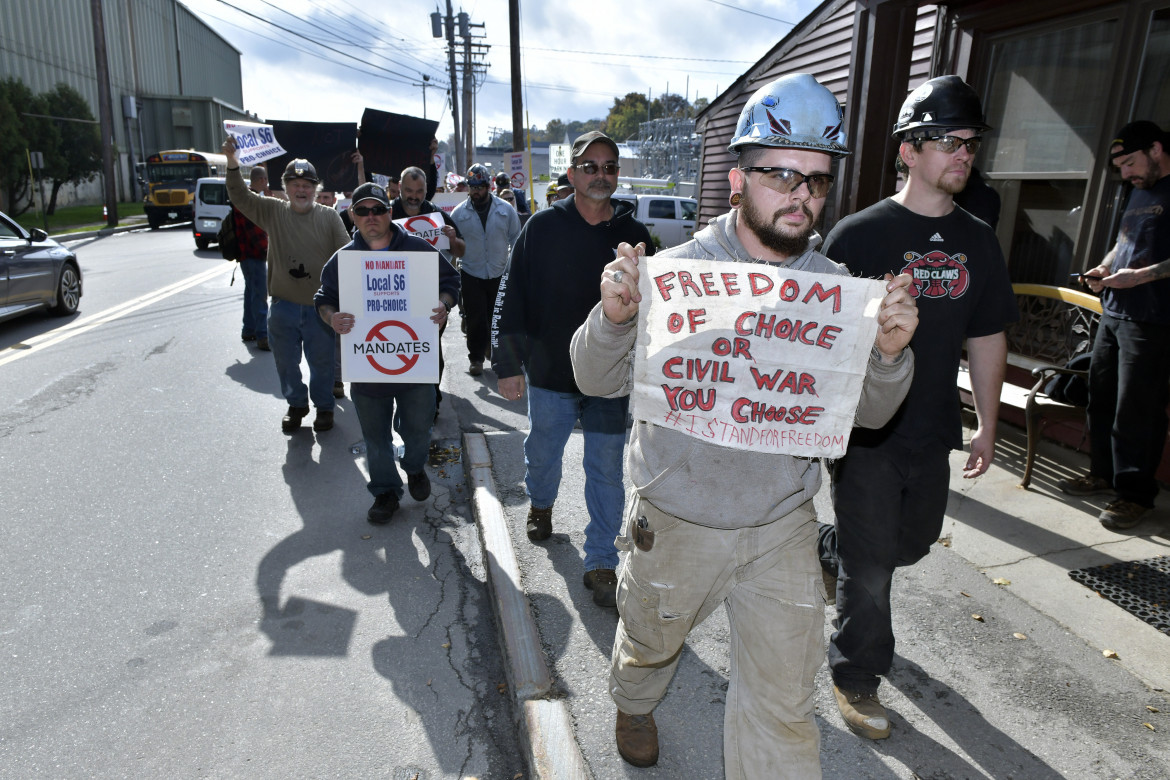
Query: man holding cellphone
{"x": 1129, "y": 374}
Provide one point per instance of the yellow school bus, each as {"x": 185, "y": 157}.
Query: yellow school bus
{"x": 169, "y": 183}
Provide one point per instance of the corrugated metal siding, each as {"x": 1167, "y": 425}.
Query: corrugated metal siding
{"x": 211, "y": 66}
{"x": 824, "y": 51}
{"x": 44, "y": 43}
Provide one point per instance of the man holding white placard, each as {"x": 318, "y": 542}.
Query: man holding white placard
{"x": 715, "y": 523}
{"x": 392, "y": 403}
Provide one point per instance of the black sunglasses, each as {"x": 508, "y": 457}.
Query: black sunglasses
{"x": 786, "y": 180}
{"x": 365, "y": 211}
{"x": 590, "y": 168}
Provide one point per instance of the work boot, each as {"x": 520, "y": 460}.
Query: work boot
{"x": 637, "y": 739}
{"x": 385, "y": 505}
{"x": 339, "y": 389}
{"x": 476, "y": 368}
{"x": 419, "y": 485}
{"x": 863, "y": 713}
{"x": 1086, "y": 485}
{"x": 292, "y": 420}
{"x": 539, "y": 523}
{"x": 603, "y": 583}
{"x": 1121, "y": 514}
{"x": 323, "y": 421}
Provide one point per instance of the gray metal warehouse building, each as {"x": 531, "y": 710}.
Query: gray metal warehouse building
{"x": 173, "y": 79}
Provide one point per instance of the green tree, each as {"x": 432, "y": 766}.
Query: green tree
{"x": 78, "y": 156}
{"x": 670, "y": 105}
{"x": 625, "y": 116}
{"x": 21, "y": 133}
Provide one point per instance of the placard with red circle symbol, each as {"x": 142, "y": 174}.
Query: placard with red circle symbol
{"x": 428, "y": 227}
{"x": 392, "y": 296}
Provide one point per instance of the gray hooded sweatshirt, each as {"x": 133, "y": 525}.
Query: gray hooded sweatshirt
{"x": 705, "y": 483}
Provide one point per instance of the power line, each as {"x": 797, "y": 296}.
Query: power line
{"x": 634, "y": 56}
{"x": 753, "y": 13}
{"x": 400, "y": 76}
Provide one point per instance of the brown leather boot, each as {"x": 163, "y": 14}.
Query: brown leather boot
{"x": 637, "y": 739}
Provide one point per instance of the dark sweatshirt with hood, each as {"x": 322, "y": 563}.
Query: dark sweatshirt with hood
{"x": 552, "y": 282}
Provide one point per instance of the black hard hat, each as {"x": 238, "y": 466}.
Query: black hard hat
{"x": 944, "y": 103}
{"x": 300, "y": 168}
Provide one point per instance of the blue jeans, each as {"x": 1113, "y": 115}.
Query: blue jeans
{"x": 410, "y": 411}
{"x": 551, "y": 417}
{"x": 890, "y": 501}
{"x": 255, "y": 272}
{"x": 291, "y": 328}
{"x": 1128, "y": 379}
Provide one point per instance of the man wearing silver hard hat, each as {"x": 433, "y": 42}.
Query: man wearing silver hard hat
{"x": 713, "y": 525}
{"x": 890, "y": 490}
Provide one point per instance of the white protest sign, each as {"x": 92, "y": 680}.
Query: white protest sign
{"x": 391, "y": 296}
{"x": 428, "y": 227}
{"x": 558, "y": 160}
{"x": 518, "y": 170}
{"x": 254, "y": 143}
{"x": 447, "y": 201}
{"x": 753, "y": 356}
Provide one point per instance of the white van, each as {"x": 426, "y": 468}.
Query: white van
{"x": 669, "y": 218}
{"x": 211, "y": 206}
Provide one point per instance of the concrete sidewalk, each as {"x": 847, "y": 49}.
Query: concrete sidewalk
{"x": 994, "y": 532}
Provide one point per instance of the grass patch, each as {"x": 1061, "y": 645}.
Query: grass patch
{"x": 77, "y": 216}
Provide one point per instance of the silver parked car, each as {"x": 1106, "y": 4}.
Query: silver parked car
{"x": 35, "y": 272}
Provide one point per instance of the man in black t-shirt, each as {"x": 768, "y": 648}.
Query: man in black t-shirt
{"x": 890, "y": 490}
{"x": 1130, "y": 369}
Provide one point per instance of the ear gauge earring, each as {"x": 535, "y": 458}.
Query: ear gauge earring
{"x": 735, "y": 199}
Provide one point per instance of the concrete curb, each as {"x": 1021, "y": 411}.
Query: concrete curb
{"x": 545, "y": 723}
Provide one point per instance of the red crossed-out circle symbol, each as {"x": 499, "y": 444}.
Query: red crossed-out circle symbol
{"x": 407, "y": 362}
{"x": 426, "y": 224}
{"x": 518, "y": 180}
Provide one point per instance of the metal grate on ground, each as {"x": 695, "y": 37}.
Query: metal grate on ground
{"x": 1141, "y": 588}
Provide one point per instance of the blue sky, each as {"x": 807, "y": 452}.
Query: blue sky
{"x": 576, "y": 56}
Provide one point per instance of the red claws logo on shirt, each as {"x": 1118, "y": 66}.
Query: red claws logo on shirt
{"x": 937, "y": 274}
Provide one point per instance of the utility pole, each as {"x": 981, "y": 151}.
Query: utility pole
{"x": 517, "y": 101}
{"x": 437, "y": 22}
{"x": 424, "y": 84}
{"x": 105, "y": 112}
{"x": 468, "y": 83}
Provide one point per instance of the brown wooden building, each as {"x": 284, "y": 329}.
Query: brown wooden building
{"x": 1057, "y": 80}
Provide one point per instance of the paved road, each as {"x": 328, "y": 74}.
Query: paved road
{"x": 187, "y": 592}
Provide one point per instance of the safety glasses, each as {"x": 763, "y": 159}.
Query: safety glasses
{"x": 786, "y": 180}
{"x": 591, "y": 168}
{"x": 365, "y": 211}
{"x": 949, "y": 144}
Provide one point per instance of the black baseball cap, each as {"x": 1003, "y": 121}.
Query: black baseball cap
{"x": 593, "y": 136}
{"x": 1136, "y": 137}
{"x": 370, "y": 191}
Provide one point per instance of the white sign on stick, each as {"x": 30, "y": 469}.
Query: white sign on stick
{"x": 428, "y": 227}
{"x": 254, "y": 143}
{"x": 391, "y": 296}
{"x": 753, "y": 356}
{"x": 558, "y": 160}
